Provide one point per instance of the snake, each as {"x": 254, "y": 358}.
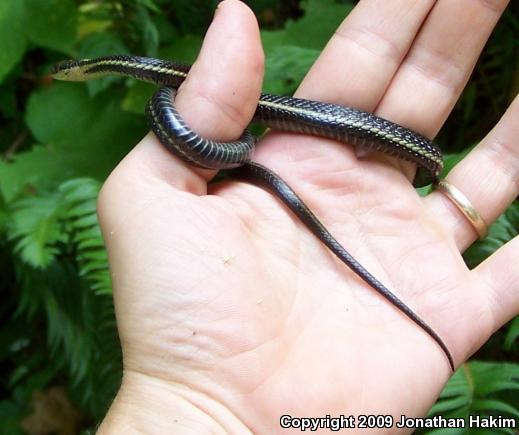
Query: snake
{"x": 348, "y": 125}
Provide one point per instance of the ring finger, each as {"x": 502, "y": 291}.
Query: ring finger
{"x": 488, "y": 176}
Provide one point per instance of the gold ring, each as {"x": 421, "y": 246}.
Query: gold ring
{"x": 464, "y": 206}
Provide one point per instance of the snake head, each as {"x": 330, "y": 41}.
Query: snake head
{"x": 71, "y": 70}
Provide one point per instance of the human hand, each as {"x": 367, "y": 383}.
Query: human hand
{"x": 231, "y": 313}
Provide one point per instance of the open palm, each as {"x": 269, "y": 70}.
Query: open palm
{"x": 231, "y": 313}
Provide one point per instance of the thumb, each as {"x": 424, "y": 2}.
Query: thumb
{"x": 217, "y": 100}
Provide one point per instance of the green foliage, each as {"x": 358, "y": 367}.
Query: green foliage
{"x": 44, "y": 23}
{"x": 479, "y": 388}
{"x": 51, "y": 23}
{"x": 51, "y": 224}
{"x": 493, "y": 84}
{"x": 66, "y": 153}
{"x": 59, "y": 141}
{"x": 63, "y": 276}
{"x": 11, "y": 15}
{"x": 36, "y": 229}
{"x": 80, "y": 195}
{"x": 503, "y": 230}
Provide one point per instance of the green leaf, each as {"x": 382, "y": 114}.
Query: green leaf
{"x": 306, "y": 33}
{"x": 286, "y": 67}
{"x": 11, "y": 415}
{"x": 447, "y": 431}
{"x": 58, "y": 113}
{"x": 35, "y": 169}
{"x": 82, "y": 209}
{"x": 80, "y": 189}
{"x": 479, "y": 387}
{"x": 81, "y": 195}
{"x": 137, "y": 97}
{"x": 185, "y": 49}
{"x": 150, "y": 33}
{"x": 469, "y": 100}
{"x": 150, "y": 4}
{"x": 4, "y": 216}
{"x": 291, "y": 52}
{"x": 495, "y": 405}
{"x": 90, "y": 134}
{"x": 36, "y": 229}
{"x": 513, "y": 333}
{"x": 86, "y": 221}
{"x": 312, "y": 31}
{"x": 101, "y": 44}
{"x": 494, "y": 377}
{"x": 449, "y": 405}
{"x": 80, "y": 324}
{"x": 12, "y": 35}
{"x": 451, "y": 160}
{"x": 52, "y": 23}
{"x": 504, "y": 229}
{"x": 168, "y": 34}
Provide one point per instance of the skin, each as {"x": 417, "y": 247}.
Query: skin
{"x": 231, "y": 313}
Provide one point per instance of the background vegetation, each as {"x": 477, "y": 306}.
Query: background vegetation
{"x": 59, "y": 353}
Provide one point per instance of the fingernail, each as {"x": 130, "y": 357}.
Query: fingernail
{"x": 218, "y": 6}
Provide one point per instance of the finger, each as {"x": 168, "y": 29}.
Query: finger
{"x": 499, "y": 278}
{"x": 361, "y": 58}
{"x": 221, "y": 92}
{"x": 488, "y": 176}
{"x": 217, "y": 100}
{"x": 431, "y": 78}
{"x": 354, "y": 69}
{"x": 438, "y": 65}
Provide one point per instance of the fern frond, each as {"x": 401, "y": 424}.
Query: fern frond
{"x": 35, "y": 227}
{"x": 503, "y": 230}
{"x": 480, "y": 388}
{"x": 64, "y": 273}
{"x": 81, "y": 216}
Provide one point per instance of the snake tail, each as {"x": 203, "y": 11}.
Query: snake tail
{"x": 259, "y": 174}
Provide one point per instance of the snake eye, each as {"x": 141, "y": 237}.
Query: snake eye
{"x": 63, "y": 67}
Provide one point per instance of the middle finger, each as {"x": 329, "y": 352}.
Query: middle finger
{"x": 438, "y": 65}
{"x": 361, "y": 58}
